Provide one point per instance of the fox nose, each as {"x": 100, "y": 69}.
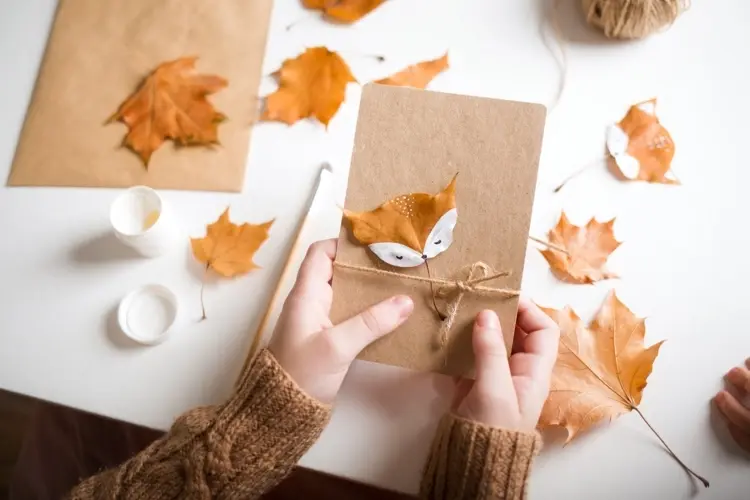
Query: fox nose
{"x": 424, "y": 257}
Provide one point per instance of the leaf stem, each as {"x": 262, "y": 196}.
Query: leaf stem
{"x": 299, "y": 20}
{"x": 682, "y": 464}
{"x": 203, "y": 285}
{"x": 549, "y": 245}
{"x": 578, "y": 172}
{"x": 377, "y": 57}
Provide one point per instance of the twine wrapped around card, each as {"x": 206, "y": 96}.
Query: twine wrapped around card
{"x": 476, "y": 274}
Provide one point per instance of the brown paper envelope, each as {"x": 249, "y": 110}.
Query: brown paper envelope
{"x": 415, "y": 141}
{"x": 97, "y": 54}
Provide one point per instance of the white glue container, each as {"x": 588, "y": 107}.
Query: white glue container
{"x": 143, "y": 220}
{"x": 148, "y": 314}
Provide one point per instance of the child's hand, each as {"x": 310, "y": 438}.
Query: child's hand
{"x": 314, "y": 352}
{"x": 510, "y": 393}
{"x": 734, "y": 411}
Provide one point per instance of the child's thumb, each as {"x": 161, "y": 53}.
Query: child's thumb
{"x": 356, "y": 333}
{"x": 493, "y": 378}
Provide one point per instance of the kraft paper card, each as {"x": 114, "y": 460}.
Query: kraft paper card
{"x": 412, "y": 141}
{"x": 97, "y": 55}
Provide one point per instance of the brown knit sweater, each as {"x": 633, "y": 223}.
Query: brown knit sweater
{"x": 243, "y": 448}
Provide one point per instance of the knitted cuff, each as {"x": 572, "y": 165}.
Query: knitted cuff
{"x": 276, "y": 414}
{"x": 469, "y": 460}
{"x": 240, "y": 449}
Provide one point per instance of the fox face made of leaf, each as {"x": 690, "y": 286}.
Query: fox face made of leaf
{"x": 641, "y": 146}
{"x": 409, "y": 229}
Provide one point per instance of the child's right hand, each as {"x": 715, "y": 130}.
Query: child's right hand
{"x": 732, "y": 409}
{"x": 510, "y": 393}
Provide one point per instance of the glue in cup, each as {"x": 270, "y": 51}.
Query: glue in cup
{"x": 142, "y": 220}
{"x": 148, "y": 314}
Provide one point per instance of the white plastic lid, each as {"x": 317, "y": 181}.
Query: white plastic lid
{"x": 147, "y": 314}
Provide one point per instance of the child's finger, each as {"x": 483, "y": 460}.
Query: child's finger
{"x": 351, "y": 336}
{"x": 519, "y": 338}
{"x": 491, "y": 358}
{"x": 739, "y": 377}
{"x": 316, "y": 269}
{"x": 733, "y": 410}
{"x": 531, "y": 318}
{"x": 740, "y": 436}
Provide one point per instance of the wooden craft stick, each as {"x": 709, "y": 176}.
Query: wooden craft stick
{"x": 279, "y": 285}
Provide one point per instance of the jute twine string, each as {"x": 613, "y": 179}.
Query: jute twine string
{"x": 476, "y": 274}
{"x": 630, "y": 19}
{"x": 560, "y": 55}
{"x": 623, "y": 19}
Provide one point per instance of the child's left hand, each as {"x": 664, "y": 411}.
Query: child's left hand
{"x": 314, "y": 352}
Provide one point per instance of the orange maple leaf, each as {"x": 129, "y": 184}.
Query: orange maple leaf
{"x": 417, "y": 75}
{"x": 229, "y": 248}
{"x": 587, "y": 248}
{"x": 601, "y": 370}
{"x": 641, "y": 147}
{"x": 171, "y": 103}
{"x": 344, "y": 11}
{"x": 312, "y": 84}
{"x": 410, "y": 228}
{"x": 406, "y": 219}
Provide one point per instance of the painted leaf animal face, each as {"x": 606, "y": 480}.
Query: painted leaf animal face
{"x": 641, "y": 147}
{"x": 409, "y": 229}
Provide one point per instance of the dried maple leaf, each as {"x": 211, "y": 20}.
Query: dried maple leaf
{"x": 601, "y": 371}
{"x": 641, "y": 147}
{"x": 171, "y": 103}
{"x": 417, "y": 75}
{"x": 587, "y": 248}
{"x": 312, "y": 84}
{"x": 344, "y": 11}
{"x": 409, "y": 229}
{"x": 229, "y": 248}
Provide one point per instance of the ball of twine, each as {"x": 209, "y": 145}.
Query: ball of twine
{"x": 632, "y": 18}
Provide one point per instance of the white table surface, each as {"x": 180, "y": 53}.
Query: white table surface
{"x": 683, "y": 261}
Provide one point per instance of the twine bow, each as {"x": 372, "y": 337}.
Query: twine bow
{"x": 476, "y": 273}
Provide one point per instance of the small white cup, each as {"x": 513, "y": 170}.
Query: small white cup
{"x": 148, "y": 314}
{"x": 141, "y": 219}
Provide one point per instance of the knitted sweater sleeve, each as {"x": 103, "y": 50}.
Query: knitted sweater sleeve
{"x": 240, "y": 449}
{"x": 473, "y": 461}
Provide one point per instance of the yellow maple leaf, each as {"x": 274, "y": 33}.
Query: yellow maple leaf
{"x": 312, "y": 84}
{"x": 229, "y": 248}
{"x": 171, "y": 103}
{"x": 586, "y": 250}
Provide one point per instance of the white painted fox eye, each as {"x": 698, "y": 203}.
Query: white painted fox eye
{"x": 397, "y": 254}
{"x": 441, "y": 236}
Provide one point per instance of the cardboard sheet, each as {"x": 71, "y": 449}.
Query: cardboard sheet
{"x": 97, "y": 54}
{"x": 415, "y": 141}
